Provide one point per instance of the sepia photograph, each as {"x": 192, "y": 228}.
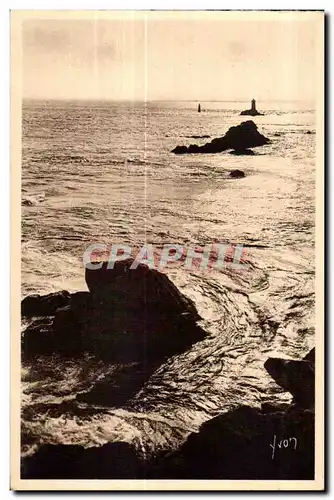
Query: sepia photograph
{"x": 167, "y": 190}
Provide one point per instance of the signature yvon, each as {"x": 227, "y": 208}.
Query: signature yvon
{"x": 283, "y": 443}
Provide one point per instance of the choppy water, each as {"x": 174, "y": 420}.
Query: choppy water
{"x": 96, "y": 171}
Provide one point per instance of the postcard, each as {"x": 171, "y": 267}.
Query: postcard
{"x": 167, "y": 283}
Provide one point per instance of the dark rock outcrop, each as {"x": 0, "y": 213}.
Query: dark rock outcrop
{"x": 310, "y": 356}
{"x": 133, "y": 318}
{"x": 199, "y": 136}
{"x": 237, "y": 174}
{"x": 276, "y": 442}
{"x": 247, "y": 152}
{"x": 111, "y": 461}
{"x": 296, "y": 377}
{"x": 238, "y": 138}
{"x": 252, "y": 111}
{"x": 47, "y": 305}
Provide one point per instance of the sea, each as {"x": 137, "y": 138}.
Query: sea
{"x": 103, "y": 172}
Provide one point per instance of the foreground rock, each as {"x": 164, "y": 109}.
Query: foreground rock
{"x": 47, "y": 305}
{"x": 237, "y": 174}
{"x": 133, "y": 318}
{"x": 199, "y": 136}
{"x": 252, "y": 111}
{"x": 247, "y": 152}
{"x": 238, "y": 138}
{"x": 247, "y": 443}
{"x": 111, "y": 461}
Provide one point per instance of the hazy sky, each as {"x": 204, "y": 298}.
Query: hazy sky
{"x": 169, "y": 59}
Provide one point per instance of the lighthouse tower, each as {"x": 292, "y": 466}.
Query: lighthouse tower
{"x": 253, "y": 108}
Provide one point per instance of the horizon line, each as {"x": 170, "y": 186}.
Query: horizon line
{"x": 157, "y": 100}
